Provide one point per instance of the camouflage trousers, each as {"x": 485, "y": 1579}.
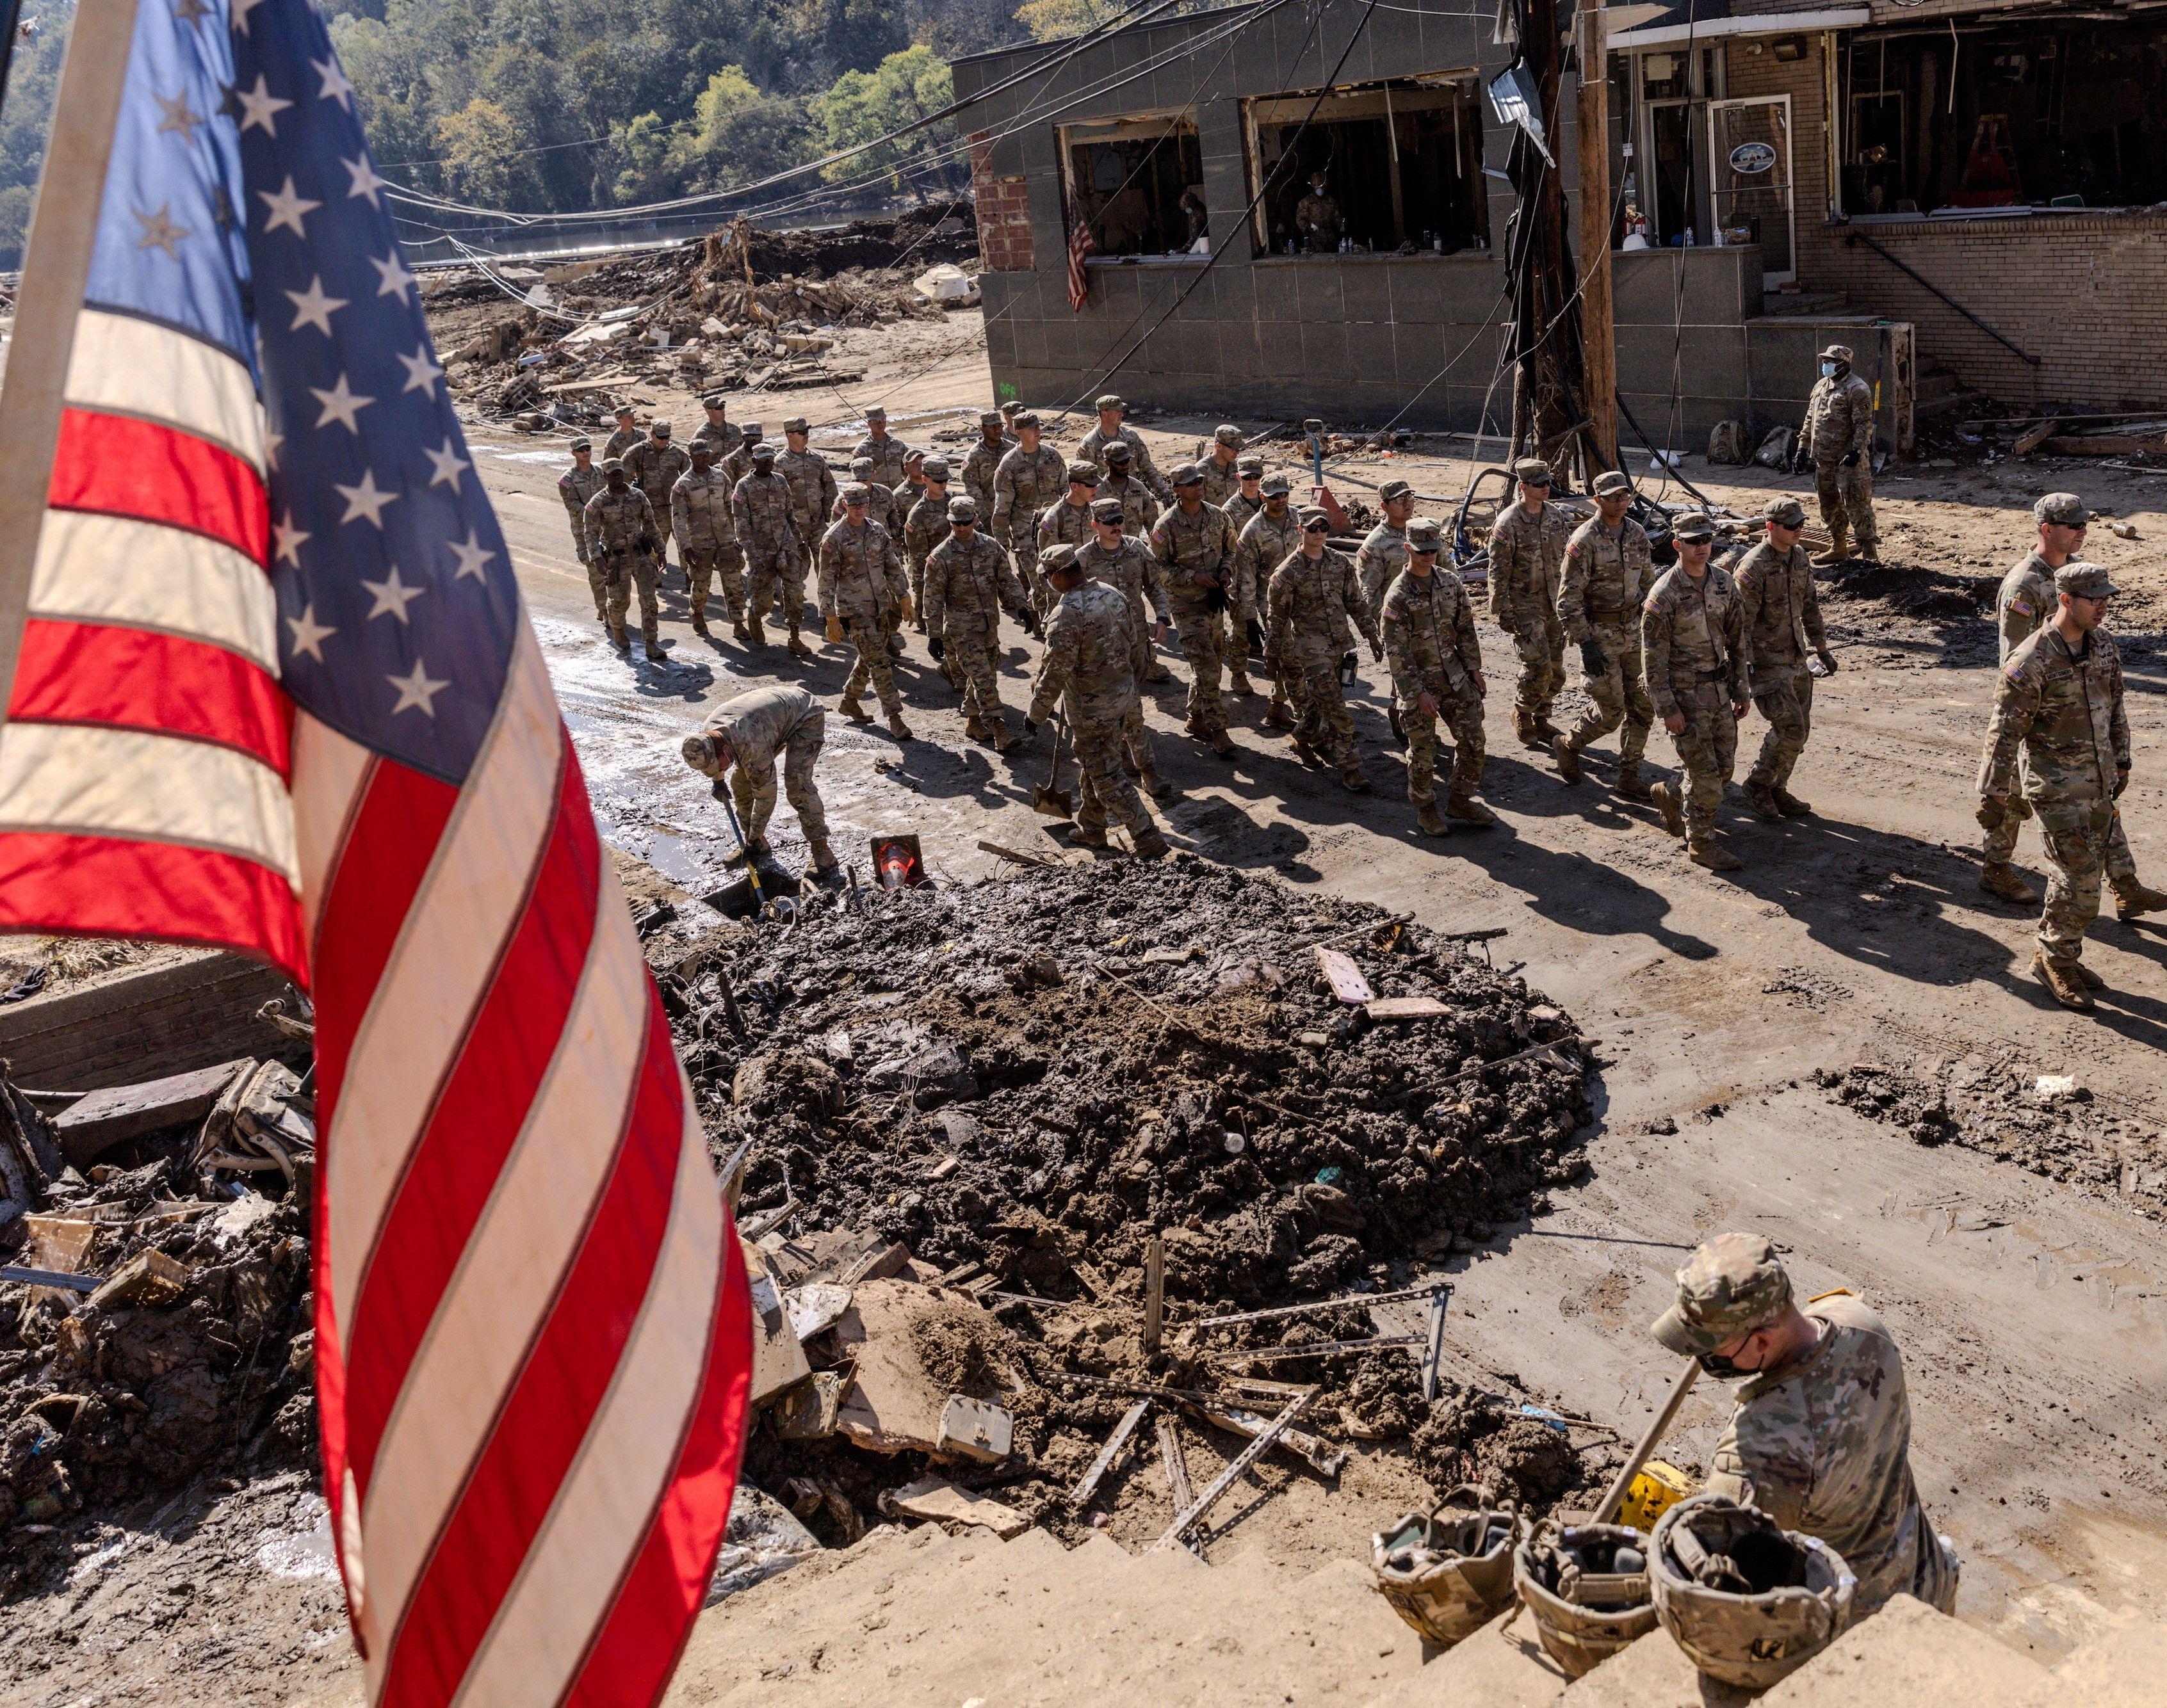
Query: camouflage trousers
{"x": 1846, "y": 496}
{"x": 1099, "y": 757}
{"x": 1786, "y": 699}
{"x": 1311, "y": 664}
{"x": 867, "y": 637}
{"x": 1463, "y": 716}
{"x": 777, "y": 576}
{"x": 1707, "y": 750}
{"x": 621, "y": 576}
{"x": 2076, "y": 832}
{"x": 597, "y": 584}
{"x": 1204, "y": 644}
{"x": 972, "y": 660}
{"x": 661, "y": 508}
{"x": 1620, "y": 694}
{"x": 756, "y": 796}
{"x": 702, "y": 564}
{"x": 1542, "y": 666}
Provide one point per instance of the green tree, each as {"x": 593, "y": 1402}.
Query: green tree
{"x": 484, "y": 157}
{"x": 865, "y": 105}
{"x": 740, "y": 133}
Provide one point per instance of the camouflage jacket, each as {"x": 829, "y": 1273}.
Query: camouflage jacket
{"x": 621, "y": 523}
{"x": 2025, "y": 602}
{"x": 700, "y": 510}
{"x": 861, "y": 573}
{"x": 1262, "y": 546}
{"x": 1692, "y": 635}
{"x": 1221, "y": 482}
{"x": 1135, "y": 571}
{"x": 812, "y": 489}
{"x": 764, "y": 514}
{"x": 759, "y": 725}
{"x": 1094, "y": 450}
{"x": 725, "y": 438}
{"x": 1024, "y": 484}
{"x": 1090, "y": 656}
{"x": 575, "y": 486}
{"x": 1382, "y": 554}
{"x": 1602, "y": 581}
{"x": 1065, "y": 524}
{"x": 619, "y": 442}
{"x": 967, "y": 587}
{"x": 1312, "y": 602}
{"x": 738, "y": 463}
{"x": 1824, "y": 1447}
{"x": 2067, "y": 713}
{"x": 1839, "y": 418}
{"x": 1782, "y": 612}
{"x": 1430, "y": 644}
{"x": 925, "y": 528}
{"x": 887, "y": 455}
{"x": 1190, "y": 546}
{"x": 881, "y": 508}
{"x": 654, "y": 469}
{"x": 1525, "y": 553}
{"x": 1139, "y": 509}
{"x": 978, "y": 468}
{"x": 1239, "y": 510}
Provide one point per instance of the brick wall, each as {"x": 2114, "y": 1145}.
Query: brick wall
{"x": 1004, "y": 211}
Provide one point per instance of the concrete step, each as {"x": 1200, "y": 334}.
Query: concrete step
{"x": 1653, "y": 1672}
{"x": 1500, "y": 1666}
{"x": 1804, "y": 303}
{"x": 2124, "y": 1666}
{"x": 1910, "y": 1655}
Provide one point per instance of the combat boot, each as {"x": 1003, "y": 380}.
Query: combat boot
{"x": 1666, "y": 797}
{"x": 1353, "y": 779}
{"x": 1568, "y": 758}
{"x": 1302, "y": 750}
{"x": 654, "y": 651}
{"x": 2064, "y": 979}
{"x": 798, "y": 649}
{"x": 2093, "y": 981}
{"x": 1631, "y": 784}
{"x": 752, "y": 632}
{"x": 1150, "y": 844}
{"x": 1761, "y": 796}
{"x": 2004, "y": 883}
{"x": 824, "y": 857}
{"x": 1468, "y": 810}
{"x": 897, "y": 728}
{"x": 754, "y": 850}
{"x": 974, "y": 728}
{"x": 1277, "y": 716}
{"x": 2132, "y": 898}
{"x": 895, "y": 648}
{"x": 1222, "y": 743}
{"x": 1086, "y": 835}
{"x": 1157, "y": 786}
{"x": 854, "y": 709}
{"x": 1546, "y": 731}
{"x": 743, "y": 634}
{"x": 1523, "y": 726}
{"x": 1791, "y": 806}
{"x": 1835, "y": 553}
{"x": 1429, "y": 821}
{"x": 700, "y": 623}
{"x": 1869, "y": 552}
{"x": 1004, "y": 742}
{"x": 1715, "y": 858}
{"x": 620, "y": 639}
{"x": 1238, "y": 682}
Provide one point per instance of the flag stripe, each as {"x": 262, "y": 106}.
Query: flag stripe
{"x": 120, "y": 678}
{"x": 126, "y": 365}
{"x": 550, "y": 1407}
{"x": 108, "y": 886}
{"x": 127, "y": 467}
{"x": 116, "y": 569}
{"x": 329, "y": 774}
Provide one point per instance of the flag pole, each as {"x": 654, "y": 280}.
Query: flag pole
{"x": 56, "y": 266}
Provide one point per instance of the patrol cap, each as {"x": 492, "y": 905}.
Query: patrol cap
{"x": 715, "y": 401}
{"x": 1425, "y": 535}
{"x": 2064, "y": 509}
{"x": 1276, "y": 486}
{"x": 1186, "y": 474}
{"x": 1247, "y": 466}
{"x": 1611, "y": 481}
{"x": 992, "y": 418}
{"x": 613, "y": 465}
{"x": 1110, "y": 401}
{"x": 763, "y": 450}
{"x": 911, "y": 453}
{"x": 1056, "y": 558}
{"x": 700, "y": 447}
{"x": 936, "y": 468}
{"x": 661, "y": 428}
{"x": 1106, "y": 510}
{"x": 1083, "y": 473}
{"x": 625, "y": 412}
{"x": 795, "y": 424}
{"x": 752, "y": 431}
{"x": 857, "y": 492}
{"x": 582, "y": 443}
{"x": 1730, "y": 1286}
{"x": 2083, "y": 581}
{"x": 1691, "y": 525}
{"x": 1532, "y": 470}
{"x": 1314, "y": 516}
{"x": 877, "y": 412}
{"x": 1230, "y": 434}
{"x": 1394, "y": 488}
{"x": 1012, "y": 409}
{"x": 861, "y": 465}
{"x": 1026, "y": 418}
{"x": 962, "y": 508}
{"x": 1118, "y": 452}
{"x": 699, "y": 755}
{"x": 1837, "y": 352}
{"x": 1785, "y": 512}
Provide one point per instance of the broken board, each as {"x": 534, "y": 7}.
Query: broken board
{"x": 1405, "y": 1008}
{"x": 778, "y": 1361}
{"x": 893, "y": 1406}
{"x": 97, "y": 1121}
{"x": 1344, "y": 977}
{"x": 938, "y": 1498}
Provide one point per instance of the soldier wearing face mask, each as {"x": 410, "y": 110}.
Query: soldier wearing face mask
{"x": 1821, "y": 1438}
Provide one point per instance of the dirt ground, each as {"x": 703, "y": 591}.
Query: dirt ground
{"x": 2029, "y": 1293}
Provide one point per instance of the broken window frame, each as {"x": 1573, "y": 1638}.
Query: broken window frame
{"x": 1394, "y": 101}
{"x": 1176, "y": 126}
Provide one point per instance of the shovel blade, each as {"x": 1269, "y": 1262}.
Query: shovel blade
{"x": 1054, "y": 803}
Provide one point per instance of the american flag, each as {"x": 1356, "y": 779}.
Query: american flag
{"x": 278, "y": 692}
{"x": 1080, "y": 245}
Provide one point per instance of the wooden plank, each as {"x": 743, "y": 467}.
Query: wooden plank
{"x": 1344, "y": 977}
{"x": 1598, "y": 329}
{"x": 1080, "y": 1495}
{"x": 99, "y": 1120}
{"x": 2104, "y": 445}
{"x": 1405, "y": 1008}
{"x": 1322, "y": 1456}
{"x": 2038, "y": 436}
{"x": 937, "y": 1499}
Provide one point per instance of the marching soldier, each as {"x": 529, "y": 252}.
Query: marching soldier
{"x": 1607, "y": 568}
{"x": 861, "y": 584}
{"x": 1383, "y": 552}
{"x": 653, "y": 465}
{"x": 1693, "y": 644}
{"x": 1139, "y": 509}
{"x": 1223, "y": 474}
{"x": 1266, "y": 541}
{"x": 1119, "y": 560}
{"x": 887, "y": 453}
{"x": 1247, "y": 498}
{"x": 925, "y": 528}
{"x": 1527, "y": 546}
{"x": 740, "y": 741}
{"x": 1028, "y": 479}
{"x": 575, "y": 486}
{"x": 1066, "y": 521}
{"x": 969, "y": 582}
{"x": 881, "y": 506}
{"x": 627, "y": 435}
{"x": 717, "y": 430}
{"x": 1313, "y": 596}
{"x": 622, "y": 538}
{"x": 707, "y": 542}
{"x": 914, "y": 488}
{"x": 813, "y": 491}
{"x": 738, "y": 463}
{"x": 1111, "y": 431}
{"x": 763, "y": 510}
{"x": 1784, "y": 640}
{"x": 1089, "y": 647}
{"x": 1839, "y": 436}
{"x": 985, "y": 458}
{"x": 1436, "y": 660}
{"x": 2060, "y": 699}
{"x": 1195, "y": 545}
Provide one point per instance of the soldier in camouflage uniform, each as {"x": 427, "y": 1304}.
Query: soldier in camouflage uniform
{"x": 813, "y": 490}
{"x": 1820, "y": 1436}
{"x": 1781, "y": 615}
{"x": 882, "y": 505}
{"x": 1223, "y": 474}
{"x": 887, "y": 453}
{"x": 1028, "y": 479}
{"x": 1383, "y": 552}
{"x": 622, "y": 538}
{"x": 1265, "y": 542}
{"x": 717, "y": 430}
{"x": 575, "y": 486}
{"x": 1839, "y": 436}
{"x": 913, "y": 489}
{"x": 1119, "y": 560}
{"x": 1312, "y": 598}
{"x": 1526, "y": 545}
{"x": 985, "y": 458}
{"x": 925, "y": 528}
{"x": 1693, "y": 649}
{"x": 1110, "y": 433}
{"x": 861, "y": 584}
{"x": 1317, "y": 216}
{"x": 740, "y": 739}
{"x": 707, "y": 540}
{"x": 1139, "y": 509}
{"x": 653, "y": 465}
{"x": 2061, "y": 700}
{"x": 738, "y": 463}
{"x": 1605, "y": 576}
{"x": 763, "y": 509}
{"x": 627, "y": 435}
{"x": 1247, "y": 497}
{"x": 969, "y": 582}
{"x": 1090, "y": 646}
{"x": 1066, "y": 521}
{"x": 1436, "y": 660}
{"x": 1194, "y": 544}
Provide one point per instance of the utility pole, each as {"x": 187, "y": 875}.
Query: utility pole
{"x": 1547, "y": 380}
{"x": 1598, "y": 326}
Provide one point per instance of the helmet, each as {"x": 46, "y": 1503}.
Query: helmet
{"x": 1447, "y": 1575}
{"x": 1747, "y": 1599}
{"x": 1587, "y": 1603}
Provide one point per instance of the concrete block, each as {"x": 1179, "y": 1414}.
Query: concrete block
{"x": 1365, "y": 291}
{"x": 1500, "y": 1666}
{"x": 1324, "y": 354}
{"x": 1654, "y": 1672}
{"x": 1908, "y": 1653}
{"x": 1316, "y": 289}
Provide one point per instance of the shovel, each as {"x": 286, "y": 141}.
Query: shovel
{"x": 1054, "y": 803}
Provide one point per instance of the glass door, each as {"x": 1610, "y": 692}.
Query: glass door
{"x": 1749, "y": 165}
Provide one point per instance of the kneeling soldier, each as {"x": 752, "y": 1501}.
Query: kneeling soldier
{"x": 746, "y": 733}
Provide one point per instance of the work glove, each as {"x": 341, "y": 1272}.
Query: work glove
{"x": 1256, "y": 635}
{"x": 1376, "y": 652}
{"x": 909, "y": 610}
{"x": 938, "y": 648}
{"x": 834, "y": 631}
{"x": 1592, "y": 658}
{"x": 719, "y": 789}
{"x": 1849, "y": 461}
{"x": 1214, "y": 600}
{"x": 1828, "y": 661}
{"x": 1991, "y": 813}
{"x": 1347, "y": 663}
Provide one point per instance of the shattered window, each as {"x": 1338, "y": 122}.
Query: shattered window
{"x": 1137, "y": 184}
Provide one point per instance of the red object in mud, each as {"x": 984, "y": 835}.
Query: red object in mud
{"x": 898, "y": 863}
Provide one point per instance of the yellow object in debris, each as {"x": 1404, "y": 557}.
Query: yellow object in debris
{"x": 1659, "y": 1486}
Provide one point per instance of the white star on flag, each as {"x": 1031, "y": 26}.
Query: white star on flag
{"x": 314, "y": 307}
{"x": 472, "y": 555}
{"x": 241, "y": 8}
{"x": 392, "y": 595}
{"x": 308, "y": 634}
{"x": 448, "y": 464}
{"x": 366, "y": 500}
{"x": 335, "y": 86}
{"x": 417, "y": 690}
{"x": 393, "y": 280}
{"x": 286, "y": 207}
{"x": 287, "y": 548}
{"x": 422, "y": 373}
{"x": 341, "y": 403}
{"x": 364, "y": 180}
{"x": 259, "y": 104}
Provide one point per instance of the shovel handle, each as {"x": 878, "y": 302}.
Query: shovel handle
{"x": 752, "y": 865}
{"x": 1614, "y": 1496}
